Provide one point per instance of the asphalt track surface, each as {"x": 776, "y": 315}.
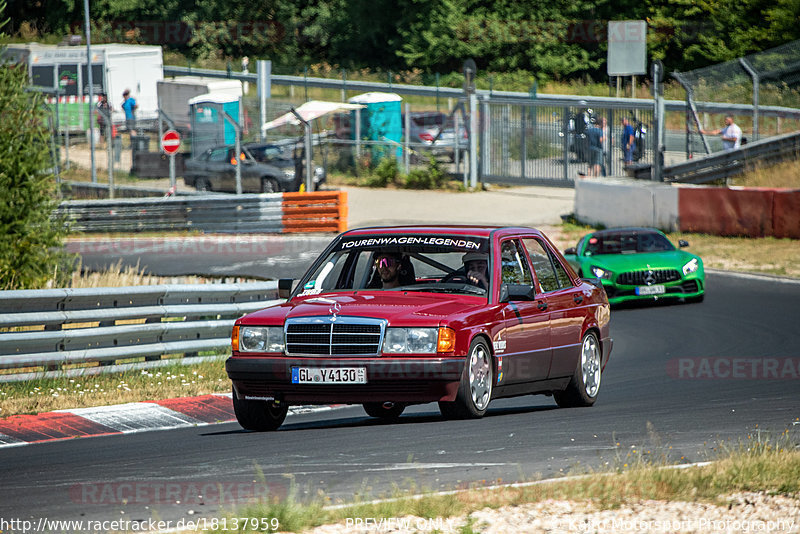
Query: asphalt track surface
{"x": 683, "y": 381}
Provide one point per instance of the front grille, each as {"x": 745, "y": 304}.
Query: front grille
{"x": 329, "y": 335}
{"x": 657, "y": 276}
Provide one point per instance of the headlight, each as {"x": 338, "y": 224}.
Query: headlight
{"x": 602, "y": 273}
{"x": 288, "y": 173}
{"x": 691, "y": 266}
{"x": 410, "y": 340}
{"x": 261, "y": 339}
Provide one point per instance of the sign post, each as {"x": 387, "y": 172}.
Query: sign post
{"x": 170, "y": 144}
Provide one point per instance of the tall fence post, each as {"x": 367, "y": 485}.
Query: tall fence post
{"x": 264, "y": 73}
{"x": 756, "y": 83}
{"x": 473, "y": 140}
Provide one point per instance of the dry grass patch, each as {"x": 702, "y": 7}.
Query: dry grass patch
{"x": 172, "y": 381}
{"x": 782, "y": 175}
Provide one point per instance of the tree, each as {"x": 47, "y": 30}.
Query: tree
{"x": 31, "y": 239}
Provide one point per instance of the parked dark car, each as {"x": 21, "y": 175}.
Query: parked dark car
{"x": 286, "y": 156}
{"x": 215, "y": 170}
{"x": 436, "y": 133}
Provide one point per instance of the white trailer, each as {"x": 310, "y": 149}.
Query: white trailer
{"x": 174, "y": 95}
{"x": 115, "y": 67}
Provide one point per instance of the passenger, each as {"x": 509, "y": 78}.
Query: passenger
{"x": 476, "y": 268}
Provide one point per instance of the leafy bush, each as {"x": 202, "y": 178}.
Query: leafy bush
{"x": 430, "y": 177}
{"x": 31, "y": 238}
{"x": 387, "y": 172}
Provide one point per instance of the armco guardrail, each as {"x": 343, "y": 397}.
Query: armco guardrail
{"x": 46, "y": 332}
{"x": 323, "y": 211}
{"x": 722, "y": 165}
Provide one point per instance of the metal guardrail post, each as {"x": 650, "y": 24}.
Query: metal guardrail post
{"x": 756, "y": 84}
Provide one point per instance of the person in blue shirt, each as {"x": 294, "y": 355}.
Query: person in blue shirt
{"x": 129, "y": 106}
{"x": 596, "y": 140}
{"x": 628, "y": 140}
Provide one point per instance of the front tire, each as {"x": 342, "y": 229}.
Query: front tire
{"x": 384, "y": 410}
{"x": 257, "y": 415}
{"x": 202, "y": 184}
{"x": 270, "y": 185}
{"x": 582, "y": 390}
{"x": 475, "y": 389}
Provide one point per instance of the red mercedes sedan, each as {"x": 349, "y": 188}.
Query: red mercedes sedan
{"x": 392, "y": 316}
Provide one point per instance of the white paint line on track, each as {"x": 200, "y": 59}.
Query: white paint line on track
{"x": 135, "y": 417}
{"x": 752, "y": 276}
{"x": 8, "y": 441}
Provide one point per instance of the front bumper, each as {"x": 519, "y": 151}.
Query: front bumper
{"x": 414, "y": 380}
{"x": 688, "y": 287}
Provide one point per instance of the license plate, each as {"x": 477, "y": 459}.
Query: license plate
{"x": 651, "y": 290}
{"x": 333, "y": 375}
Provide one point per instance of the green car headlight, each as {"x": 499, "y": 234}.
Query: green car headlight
{"x": 261, "y": 339}
{"x": 691, "y": 266}
{"x": 410, "y": 340}
{"x": 601, "y": 273}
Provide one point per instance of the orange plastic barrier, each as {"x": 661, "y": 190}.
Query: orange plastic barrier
{"x": 320, "y": 211}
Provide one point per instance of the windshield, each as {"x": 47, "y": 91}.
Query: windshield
{"x": 424, "y": 263}
{"x": 627, "y": 243}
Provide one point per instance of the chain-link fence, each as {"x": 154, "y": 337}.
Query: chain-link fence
{"x": 768, "y": 78}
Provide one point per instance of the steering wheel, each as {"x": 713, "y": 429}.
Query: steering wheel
{"x": 456, "y": 277}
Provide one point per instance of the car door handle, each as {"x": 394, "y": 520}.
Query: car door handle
{"x": 542, "y": 305}
{"x": 577, "y": 299}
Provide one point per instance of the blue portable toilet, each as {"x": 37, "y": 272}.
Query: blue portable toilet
{"x": 380, "y": 121}
{"x": 209, "y": 127}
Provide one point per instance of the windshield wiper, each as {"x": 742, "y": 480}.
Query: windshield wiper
{"x": 460, "y": 288}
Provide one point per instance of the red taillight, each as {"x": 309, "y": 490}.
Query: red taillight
{"x": 427, "y": 137}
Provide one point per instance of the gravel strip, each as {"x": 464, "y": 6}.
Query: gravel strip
{"x": 745, "y": 513}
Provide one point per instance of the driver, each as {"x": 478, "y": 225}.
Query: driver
{"x": 476, "y": 267}
{"x": 388, "y": 267}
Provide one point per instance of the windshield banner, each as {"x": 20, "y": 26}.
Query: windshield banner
{"x": 443, "y": 243}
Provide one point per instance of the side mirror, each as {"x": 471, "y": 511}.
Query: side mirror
{"x": 683, "y": 243}
{"x": 571, "y": 250}
{"x": 512, "y": 292}
{"x": 285, "y": 287}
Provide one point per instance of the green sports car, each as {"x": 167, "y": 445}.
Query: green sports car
{"x": 638, "y": 263}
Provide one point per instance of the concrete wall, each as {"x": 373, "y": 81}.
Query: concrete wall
{"x": 619, "y": 202}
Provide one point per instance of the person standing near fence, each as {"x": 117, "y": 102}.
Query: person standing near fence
{"x": 129, "y": 106}
{"x": 731, "y": 134}
{"x": 595, "y": 136}
{"x": 104, "y": 116}
{"x": 628, "y": 140}
{"x": 606, "y": 144}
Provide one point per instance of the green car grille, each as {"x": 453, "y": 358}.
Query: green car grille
{"x": 648, "y": 277}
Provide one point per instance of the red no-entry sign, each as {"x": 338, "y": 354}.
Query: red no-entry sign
{"x": 170, "y": 142}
